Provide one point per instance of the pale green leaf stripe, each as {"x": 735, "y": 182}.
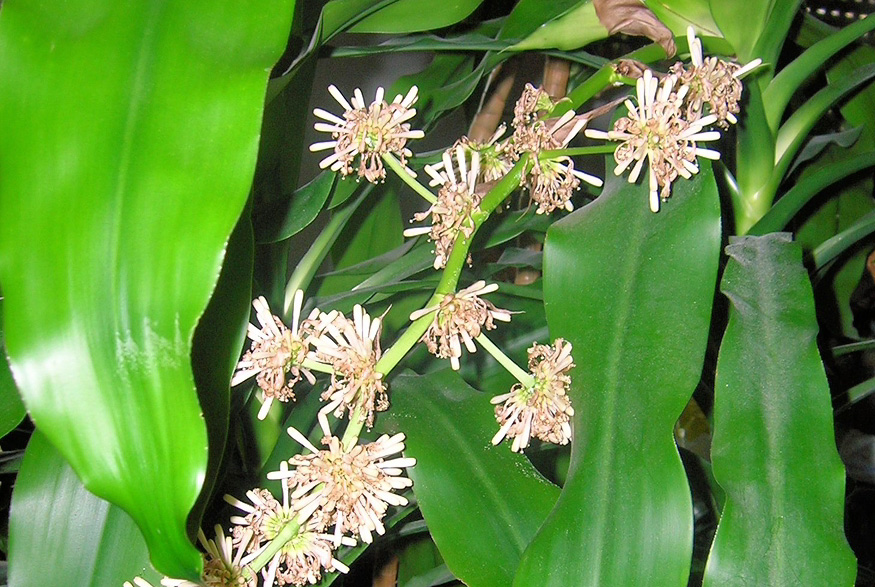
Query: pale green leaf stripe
{"x": 128, "y": 136}
{"x": 773, "y": 447}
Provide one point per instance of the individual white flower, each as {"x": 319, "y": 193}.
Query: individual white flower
{"x": 656, "y": 130}
{"x": 347, "y": 488}
{"x": 457, "y": 203}
{"x": 542, "y": 410}
{"x": 277, "y": 354}
{"x": 366, "y": 133}
{"x": 352, "y": 348}
{"x": 458, "y": 319}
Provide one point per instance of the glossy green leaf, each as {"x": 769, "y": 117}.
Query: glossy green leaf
{"x": 11, "y": 409}
{"x": 305, "y": 205}
{"x": 774, "y": 450}
{"x": 677, "y": 15}
{"x": 832, "y": 248}
{"x": 638, "y": 321}
{"x": 375, "y": 229}
{"x": 793, "y": 132}
{"x": 807, "y": 188}
{"x": 483, "y": 504}
{"x": 781, "y": 89}
{"x": 117, "y": 204}
{"x": 759, "y": 26}
{"x": 408, "y": 16}
{"x": 60, "y": 533}
{"x": 576, "y": 28}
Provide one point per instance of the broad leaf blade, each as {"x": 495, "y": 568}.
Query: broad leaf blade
{"x": 643, "y": 285}
{"x": 483, "y": 503}
{"x": 117, "y": 204}
{"x": 774, "y": 451}
{"x": 55, "y": 521}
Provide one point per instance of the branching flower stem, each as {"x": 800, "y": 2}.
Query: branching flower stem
{"x": 521, "y": 375}
{"x": 447, "y": 285}
{"x": 403, "y": 173}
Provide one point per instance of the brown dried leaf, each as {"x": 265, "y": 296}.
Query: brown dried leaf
{"x": 632, "y": 17}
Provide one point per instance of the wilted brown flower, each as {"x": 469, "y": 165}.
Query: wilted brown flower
{"x": 656, "y": 130}
{"x": 543, "y": 409}
{"x": 367, "y": 132}
{"x": 459, "y": 318}
{"x": 349, "y": 489}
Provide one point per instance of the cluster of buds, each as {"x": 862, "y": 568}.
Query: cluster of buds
{"x": 669, "y": 117}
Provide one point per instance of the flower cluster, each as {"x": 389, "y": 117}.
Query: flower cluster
{"x": 458, "y": 319}
{"x": 352, "y": 348}
{"x": 277, "y": 355}
{"x": 542, "y": 409}
{"x": 457, "y": 203}
{"x": 222, "y": 566}
{"x": 303, "y": 556}
{"x": 367, "y": 133}
{"x": 667, "y": 120}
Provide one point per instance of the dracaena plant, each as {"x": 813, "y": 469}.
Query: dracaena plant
{"x": 481, "y": 358}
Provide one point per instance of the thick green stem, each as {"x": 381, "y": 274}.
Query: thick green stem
{"x": 289, "y": 531}
{"x": 405, "y": 176}
{"x": 506, "y": 362}
{"x": 317, "y": 366}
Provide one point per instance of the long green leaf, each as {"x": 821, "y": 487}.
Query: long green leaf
{"x": 483, "y": 503}
{"x": 11, "y": 409}
{"x": 408, "y": 16}
{"x": 800, "y": 194}
{"x": 638, "y": 321}
{"x": 59, "y": 529}
{"x": 773, "y": 450}
{"x": 779, "y": 91}
{"x": 121, "y": 184}
{"x": 793, "y": 132}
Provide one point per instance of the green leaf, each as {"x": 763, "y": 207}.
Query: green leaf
{"x": 11, "y": 409}
{"x": 409, "y": 16}
{"x": 793, "y": 132}
{"x": 576, "y": 28}
{"x": 832, "y": 248}
{"x": 781, "y": 89}
{"x": 638, "y": 321}
{"x": 482, "y": 503}
{"x": 757, "y": 31}
{"x": 305, "y": 205}
{"x": 807, "y": 188}
{"x": 107, "y": 261}
{"x": 59, "y": 529}
{"x": 677, "y": 15}
{"x": 774, "y": 450}
{"x": 376, "y": 229}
